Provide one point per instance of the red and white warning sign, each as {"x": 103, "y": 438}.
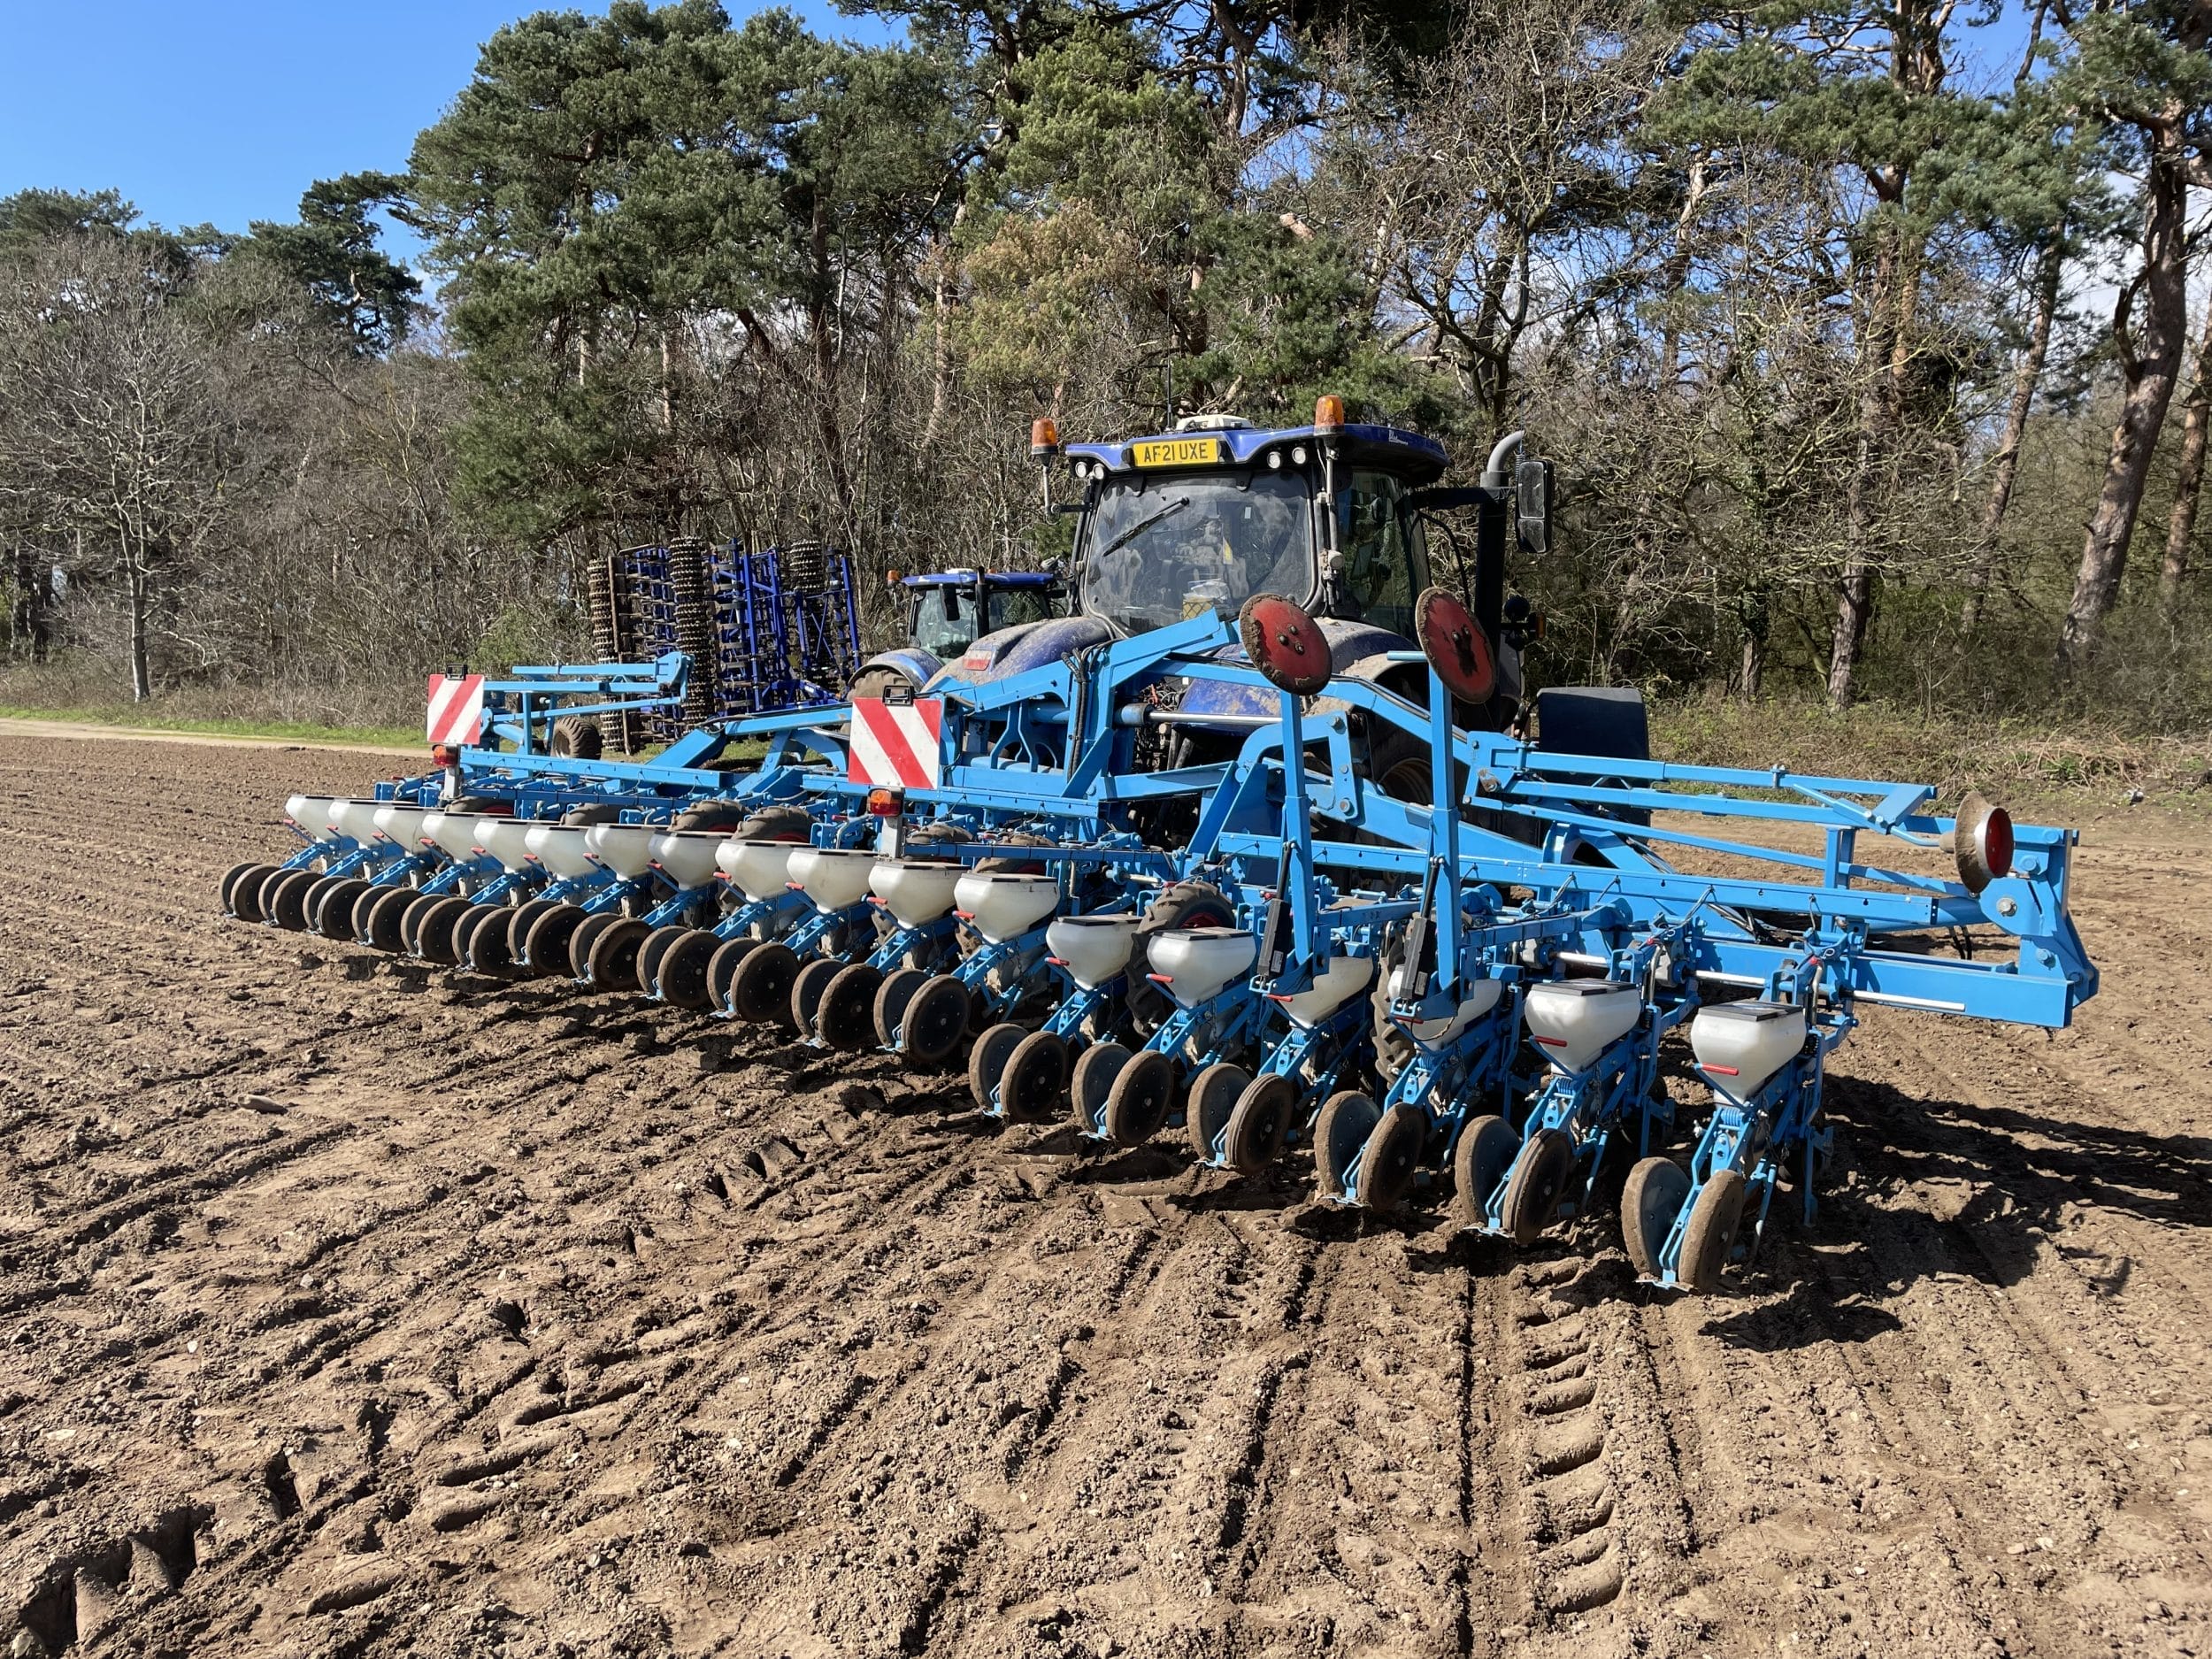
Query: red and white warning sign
{"x": 895, "y": 744}
{"x": 456, "y": 708}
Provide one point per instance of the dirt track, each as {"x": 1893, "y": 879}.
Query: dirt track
{"x": 344, "y": 1309}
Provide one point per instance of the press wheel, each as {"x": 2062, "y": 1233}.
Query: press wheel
{"x": 378, "y": 915}
{"x": 807, "y": 987}
{"x": 1480, "y": 1157}
{"x": 433, "y": 937}
{"x": 1339, "y": 1133}
{"x": 891, "y": 996}
{"x": 284, "y": 899}
{"x": 722, "y": 970}
{"x": 1212, "y": 1097}
{"x": 1035, "y": 1076}
{"x": 847, "y": 1017}
{"x": 935, "y": 1021}
{"x": 1651, "y": 1198}
{"x": 1538, "y": 1183}
{"x": 1709, "y": 1237}
{"x": 1092, "y": 1080}
{"x": 760, "y": 990}
{"x": 1259, "y": 1123}
{"x": 613, "y": 965}
{"x": 1392, "y": 1155}
{"x": 1137, "y": 1105}
{"x": 650, "y": 954}
{"x": 683, "y": 970}
{"x": 987, "y": 1061}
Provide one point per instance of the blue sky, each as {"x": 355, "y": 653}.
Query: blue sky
{"x": 223, "y": 111}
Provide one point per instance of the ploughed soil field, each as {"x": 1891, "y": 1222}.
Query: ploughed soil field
{"x": 349, "y": 1309}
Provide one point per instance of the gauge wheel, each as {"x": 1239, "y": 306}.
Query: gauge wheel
{"x": 378, "y": 916}
{"x": 1035, "y": 1076}
{"x": 1538, "y": 1182}
{"x": 1651, "y": 1198}
{"x": 891, "y": 997}
{"x": 1259, "y": 1123}
{"x": 987, "y": 1061}
{"x": 1480, "y": 1157}
{"x": 847, "y": 1017}
{"x": 1709, "y": 1237}
{"x": 722, "y": 968}
{"x": 613, "y": 965}
{"x": 683, "y": 969}
{"x": 1206, "y": 1107}
{"x": 760, "y": 990}
{"x": 1090, "y": 1083}
{"x": 1339, "y": 1133}
{"x": 807, "y": 987}
{"x": 935, "y": 1021}
{"x": 433, "y": 934}
{"x": 1138, "y": 1105}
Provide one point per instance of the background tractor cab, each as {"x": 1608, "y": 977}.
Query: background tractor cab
{"x": 945, "y": 613}
{"x": 1333, "y": 516}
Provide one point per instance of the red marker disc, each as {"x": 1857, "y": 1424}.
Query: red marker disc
{"x": 1456, "y": 646}
{"x": 1283, "y": 643}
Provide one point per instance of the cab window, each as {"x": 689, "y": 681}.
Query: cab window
{"x": 1385, "y": 563}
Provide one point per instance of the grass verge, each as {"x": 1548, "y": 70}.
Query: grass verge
{"x": 142, "y": 717}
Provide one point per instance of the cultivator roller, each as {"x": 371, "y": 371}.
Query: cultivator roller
{"x": 1265, "y": 876}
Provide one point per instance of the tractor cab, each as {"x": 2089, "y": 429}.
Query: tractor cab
{"x": 946, "y": 609}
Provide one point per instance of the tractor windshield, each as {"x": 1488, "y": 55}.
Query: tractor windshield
{"x": 1161, "y": 549}
{"x": 944, "y": 629}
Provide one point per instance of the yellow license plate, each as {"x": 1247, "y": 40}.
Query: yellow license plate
{"x": 1178, "y": 452}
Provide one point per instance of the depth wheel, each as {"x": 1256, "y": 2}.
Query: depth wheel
{"x": 613, "y": 965}
{"x": 238, "y": 877}
{"x": 333, "y": 915}
{"x": 987, "y": 1061}
{"x": 311, "y": 906}
{"x": 1708, "y": 1238}
{"x": 1339, "y": 1133}
{"x": 656, "y": 946}
{"x": 1392, "y": 1153}
{"x": 433, "y": 929}
{"x": 545, "y": 947}
{"x": 1259, "y": 1123}
{"x": 807, "y": 987}
{"x": 519, "y": 925}
{"x": 244, "y": 896}
{"x": 1213, "y": 1096}
{"x": 479, "y": 918}
{"x": 1650, "y": 1200}
{"x": 847, "y": 1017}
{"x": 586, "y": 935}
{"x": 1538, "y": 1183}
{"x": 760, "y": 990}
{"x": 377, "y": 916}
{"x": 683, "y": 970}
{"x": 1138, "y": 1105}
{"x": 935, "y": 1021}
{"x": 411, "y": 919}
{"x": 1035, "y": 1077}
{"x": 722, "y": 970}
{"x": 1480, "y": 1157}
{"x": 487, "y": 948}
{"x": 1092, "y": 1080}
{"x": 284, "y": 899}
{"x": 891, "y": 996}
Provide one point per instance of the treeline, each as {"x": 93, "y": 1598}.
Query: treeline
{"x": 1861, "y": 334}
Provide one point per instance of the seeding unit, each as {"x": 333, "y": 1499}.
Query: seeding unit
{"x": 1257, "y": 842}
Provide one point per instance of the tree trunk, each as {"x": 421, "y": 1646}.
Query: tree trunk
{"x": 141, "y": 678}
{"x": 2152, "y": 364}
{"x": 2005, "y": 466}
{"x": 1882, "y": 362}
{"x": 2188, "y": 482}
{"x": 34, "y": 598}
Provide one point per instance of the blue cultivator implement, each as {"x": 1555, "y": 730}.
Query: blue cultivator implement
{"x": 1254, "y": 844}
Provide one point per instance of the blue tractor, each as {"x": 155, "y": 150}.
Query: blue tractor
{"x": 948, "y": 610}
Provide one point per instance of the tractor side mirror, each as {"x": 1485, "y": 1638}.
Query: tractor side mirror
{"x": 1533, "y": 484}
